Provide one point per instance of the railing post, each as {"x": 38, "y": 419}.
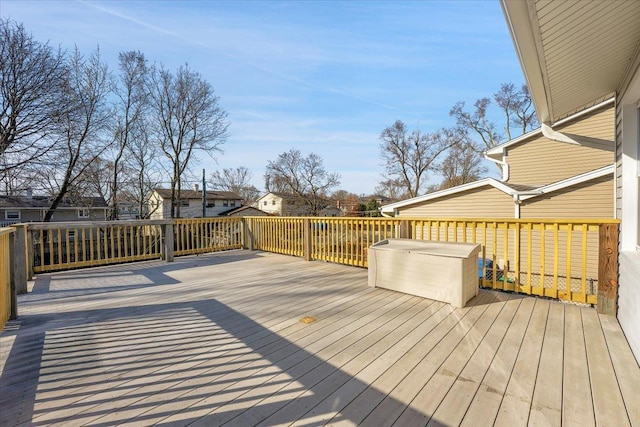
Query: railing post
{"x": 306, "y": 224}
{"x": 405, "y": 229}
{"x": 608, "y": 269}
{"x": 13, "y": 311}
{"x": 19, "y": 263}
{"x": 167, "y": 241}
{"x": 30, "y": 254}
{"x": 248, "y": 235}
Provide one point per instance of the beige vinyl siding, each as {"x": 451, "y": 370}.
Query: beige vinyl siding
{"x": 541, "y": 161}
{"x": 591, "y": 199}
{"x": 479, "y": 202}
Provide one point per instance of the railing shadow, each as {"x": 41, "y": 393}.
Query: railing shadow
{"x": 169, "y": 363}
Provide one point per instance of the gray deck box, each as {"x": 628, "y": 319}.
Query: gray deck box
{"x": 441, "y": 271}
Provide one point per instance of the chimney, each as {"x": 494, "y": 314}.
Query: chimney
{"x": 29, "y": 193}
{"x": 195, "y": 187}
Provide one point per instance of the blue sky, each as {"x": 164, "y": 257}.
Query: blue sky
{"x": 323, "y": 77}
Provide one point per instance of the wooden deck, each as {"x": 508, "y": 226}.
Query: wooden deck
{"x": 217, "y": 339}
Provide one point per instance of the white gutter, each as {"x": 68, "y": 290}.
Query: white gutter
{"x": 554, "y": 135}
{"x": 502, "y": 163}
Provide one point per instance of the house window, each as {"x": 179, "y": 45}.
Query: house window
{"x": 233, "y": 203}
{"x": 273, "y": 202}
{"x": 225, "y": 203}
{"x": 83, "y": 213}
{"x": 184, "y": 202}
{"x": 12, "y": 215}
{"x": 264, "y": 203}
{"x": 211, "y": 204}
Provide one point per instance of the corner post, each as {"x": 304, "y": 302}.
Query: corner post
{"x": 608, "y": 269}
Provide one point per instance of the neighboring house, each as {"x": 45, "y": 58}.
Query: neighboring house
{"x": 128, "y": 211}
{"x": 541, "y": 177}
{"x": 574, "y": 57}
{"x": 352, "y": 207}
{"x": 245, "y": 211}
{"x": 30, "y": 208}
{"x": 282, "y": 204}
{"x": 217, "y": 202}
{"x": 331, "y": 211}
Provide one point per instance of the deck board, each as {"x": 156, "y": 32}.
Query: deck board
{"x": 217, "y": 340}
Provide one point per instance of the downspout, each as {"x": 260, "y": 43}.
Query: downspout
{"x": 516, "y": 204}
{"x": 503, "y": 164}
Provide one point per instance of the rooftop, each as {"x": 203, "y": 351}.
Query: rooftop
{"x": 218, "y": 339}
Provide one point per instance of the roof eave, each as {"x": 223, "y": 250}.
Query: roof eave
{"x": 519, "y": 15}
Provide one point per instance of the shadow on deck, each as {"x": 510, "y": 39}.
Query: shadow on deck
{"x": 217, "y": 339}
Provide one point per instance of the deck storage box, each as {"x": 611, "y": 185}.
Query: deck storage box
{"x": 441, "y": 271}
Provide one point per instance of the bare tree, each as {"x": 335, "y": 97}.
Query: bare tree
{"x": 305, "y": 178}
{"x": 461, "y": 166}
{"x": 132, "y": 102}
{"x": 81, "y": 128}
{"x": 477, "y": 122}
{"x": 188, "y": 119}
{"x": 517, "y": 108}
{"x": 517, "y": 111}
{"x": 236, "y": 180}
{"x": 31, "y": 76}
{"x": 143, "y": 170}
{"x": 349, "y": 203}
{"x": 410, "y": 156}
{"x": 392, "y": 188}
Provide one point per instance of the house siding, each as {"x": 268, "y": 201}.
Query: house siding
{"x": 591, "y": 199}
{"x": 160, "y": 208}
{"x": 272, "y": 204}
{"x": 478, "y": 202}
{"x": 627, "y": 209}
{"x": 541, "y": 161}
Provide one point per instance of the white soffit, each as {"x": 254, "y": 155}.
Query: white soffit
{"x": 574, "y": 53}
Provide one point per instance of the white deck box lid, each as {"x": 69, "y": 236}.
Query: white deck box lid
{"x": 446, "y": 249}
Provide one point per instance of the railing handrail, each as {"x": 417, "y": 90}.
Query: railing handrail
{"x": 7, "y": 230}
{"x": 590, "y": 221}
{"x": 89, "y": 224}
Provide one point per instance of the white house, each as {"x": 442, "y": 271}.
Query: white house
{"x": 281, "y": 204}
{"x": 217, "y": 202}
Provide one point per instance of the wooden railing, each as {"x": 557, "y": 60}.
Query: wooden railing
{"x": 5, "y": 276}
{"x": 63, "y": 246}
{"x": 574, "y": 260}
{"x": 200, "y": 235}
{"x": 560, "y": 259}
